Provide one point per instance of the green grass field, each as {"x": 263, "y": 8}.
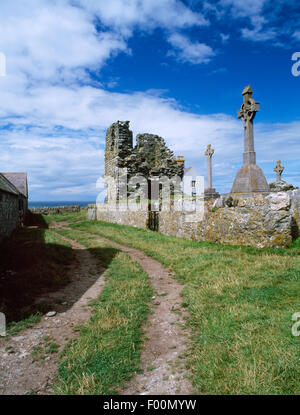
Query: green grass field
{"x": 241, "y": 302}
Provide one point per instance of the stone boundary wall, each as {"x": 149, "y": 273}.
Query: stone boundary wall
{"x": 56, "y": 209}
{"x": 9, "y": 214}
{"x": 239, "y": 225}
{"x": 295, "y": 209}
{"x": 137, "y": 219}
{"x": 259, "y": 221}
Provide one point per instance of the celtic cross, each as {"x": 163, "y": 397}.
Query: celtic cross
{"x": 208, "y": 153}
{"x": 278, "y": 170}
{"x": 247, "y": 113}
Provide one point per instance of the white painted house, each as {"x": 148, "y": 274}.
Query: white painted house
{"x": 193, "y": 182}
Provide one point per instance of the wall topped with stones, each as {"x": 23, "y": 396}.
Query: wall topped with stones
{"x": 56, "y": 209}
{"x": 295, "y": 209}
{"x": 259, "y": 221}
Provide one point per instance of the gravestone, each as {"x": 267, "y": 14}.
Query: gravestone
{"x": 250, "y": 178}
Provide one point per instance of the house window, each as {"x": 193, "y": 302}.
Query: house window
{"x": 193, "y": 183}
{"x": 193, "y": 194}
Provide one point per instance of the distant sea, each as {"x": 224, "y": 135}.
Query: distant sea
{"x": 58, "y": 203}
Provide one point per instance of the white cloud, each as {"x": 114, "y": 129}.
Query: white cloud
{"x": 187, "y": 51}
{"x": 56, "y": 166}
{"x": 252, "y": 10}
{"x": 55, "y": 42}
{"x": 241, "y": 8}
{"x": 258, "y": 35}
{"x": 224, "y": 37}
{"x": 124, "y": 16}
{"x": 52, "y": 40}
{"x": 296, "y": 35}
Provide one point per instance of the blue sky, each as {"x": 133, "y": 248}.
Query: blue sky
{"x": 173, "y": 68}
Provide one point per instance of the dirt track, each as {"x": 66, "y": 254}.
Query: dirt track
{"x": 163, "y": 362}
{"x": 20, "y": 373}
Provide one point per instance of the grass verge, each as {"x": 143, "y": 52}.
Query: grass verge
{"x": 241, "y": 302}
{"x": 107, "y": 351}
{"x": 15, "y": 327}
{"x": 75, "y": 217}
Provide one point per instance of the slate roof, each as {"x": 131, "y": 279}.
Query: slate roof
{"x": 7, "y": 186}
{"x": 19, "y": 180}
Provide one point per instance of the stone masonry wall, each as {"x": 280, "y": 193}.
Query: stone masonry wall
{"x": 104, "y": 213}
{"x": 271, "y": 221}
{"x": 258, "y": 221}
{"x": 9, "y": 214}
{"x": 241, "y": 225}
{"x": 295, "y": 209}
{"x": 57, "y": 209}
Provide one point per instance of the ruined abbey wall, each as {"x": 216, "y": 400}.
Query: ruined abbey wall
{"x": 149, "y": 158}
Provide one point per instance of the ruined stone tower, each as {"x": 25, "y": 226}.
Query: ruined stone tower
{"x": 149, "y": 158}
{"x": 119, "y": 145}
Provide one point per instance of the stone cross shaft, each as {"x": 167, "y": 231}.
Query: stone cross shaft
{"x": 247, "y": 113}
{"x": 278, "y": 170}
{"x": 208, "y": 153}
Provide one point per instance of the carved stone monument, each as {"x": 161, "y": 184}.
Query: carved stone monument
{"x": 210, "y": 192}
{"x": 280, "y": 185}
{"x": 250, "y": 178}
{"x": 278, "y": 170}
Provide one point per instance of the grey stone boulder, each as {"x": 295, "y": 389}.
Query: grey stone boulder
{"x": 281, "y": 186}
{"x": 219, "y": 202}
{"x": 279, "y": 201}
